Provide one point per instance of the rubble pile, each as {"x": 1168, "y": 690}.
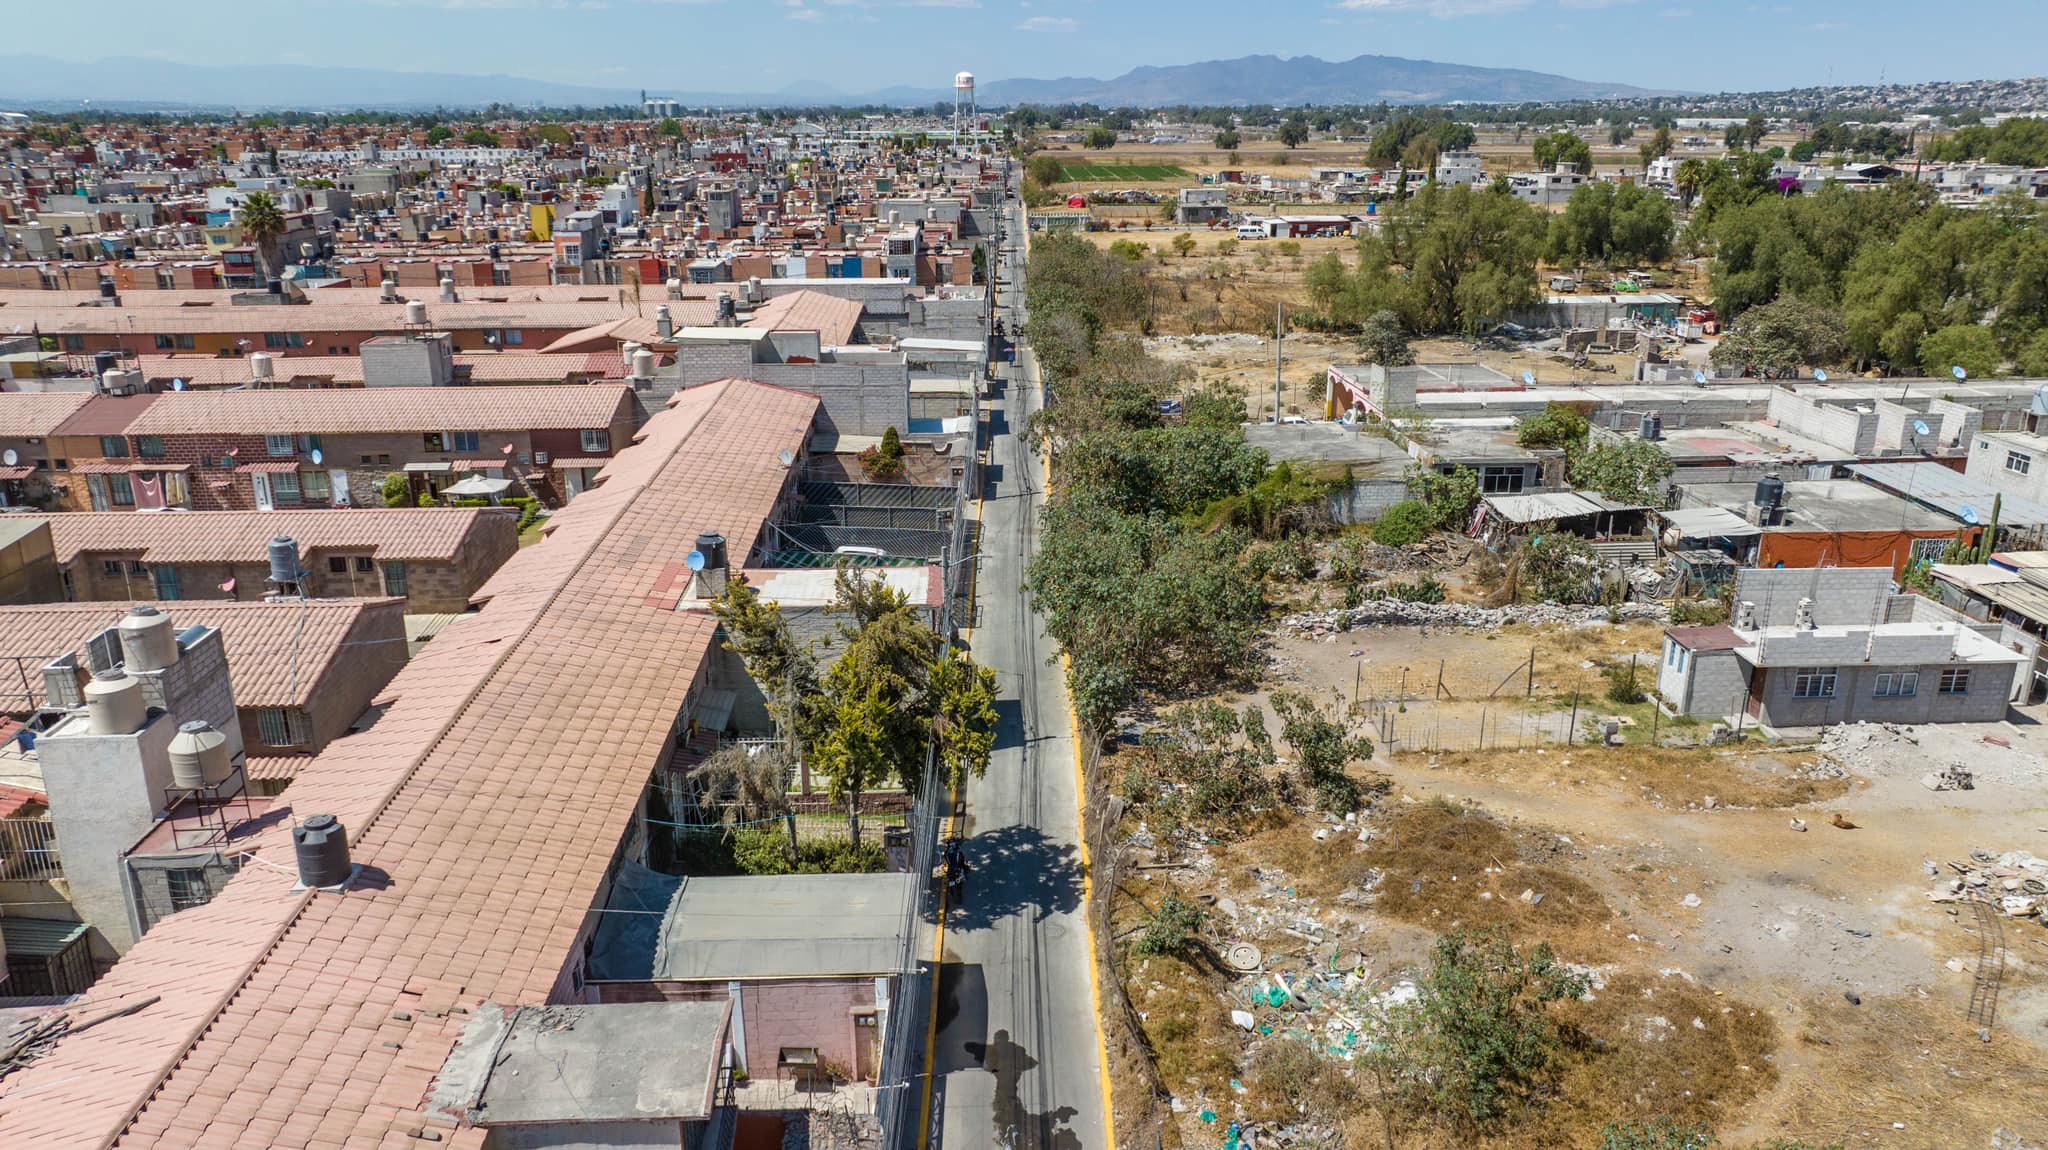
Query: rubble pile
{"x": 2016, "y": 882}
{"x": 1966, "y": 759}
{"x": 1399, "y": 613}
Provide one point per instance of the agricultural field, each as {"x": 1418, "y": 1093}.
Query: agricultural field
{"x": 1070, "y": 172}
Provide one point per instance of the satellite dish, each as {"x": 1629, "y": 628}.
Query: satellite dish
{"x": 11, "y": 457}
{"x": 694, "y": 561}
{"x": 785, "y": 457}
{"x": 317, "y": 457}
{"x": 1820, "y": 375}
{"x": 1920, "y": 427}
{"x": 177, "y": 385}
{"x": 1699, "y": 377}
{"x": 1969, "y": 514}
{"x": 1958, "y": 372}
{"x": 1529, "y": 377}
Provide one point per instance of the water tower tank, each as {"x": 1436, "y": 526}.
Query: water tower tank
{"x": 114, "y": 703}
{"x": 284, "y": 559}
{"x": 963, "y": 81}
{"x": 321, "y": 848}
{"x": 1770, "y": 491}
{"x": 262, "y": 367}
{"x": 147, "y": 641}
{"x": 199, "y": 755}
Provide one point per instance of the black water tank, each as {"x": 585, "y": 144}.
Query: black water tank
{"x": 107, "y": 288}
{"x": 1770, "y": 491}
{"x": 276, "y": 286}
{"x": 104, "y": 362}
{"x": 711, "y": 545}
{"x": 322, "y": 849}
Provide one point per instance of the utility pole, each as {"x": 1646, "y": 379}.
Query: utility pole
{"x": 1279, "y": 317}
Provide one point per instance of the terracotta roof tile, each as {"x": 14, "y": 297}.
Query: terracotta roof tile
{"x": 244, "y": 536}
{"x": 490, "y": 798}
{"x": 834, "y": 319}
{"x": 278, "y": 653}
{"x": 383, "y": 409}
{"x": 25, "y": 414}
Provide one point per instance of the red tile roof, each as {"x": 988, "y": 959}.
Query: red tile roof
{"x": 505, "y": 367}
{"x": 488, "y": 801}
{"x": 25, "y": 413}
{"x": 278, "y": 653}
{"x": 834, "y": 319}
{"x": 105, "y": 415}
{"x": 383, "y": 409}
{"x": 244, "y": 536}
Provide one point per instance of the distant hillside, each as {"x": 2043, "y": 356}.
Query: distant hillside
{"x": 131, "y": 82}
{"x": 1309, "y": 80}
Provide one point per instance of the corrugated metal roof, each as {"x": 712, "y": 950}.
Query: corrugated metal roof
{"x": 40, "y": 937}
{"x": 1946, "y": 491}
{"x": 1540, "y": 507}
{"x": 1710, "y": 523}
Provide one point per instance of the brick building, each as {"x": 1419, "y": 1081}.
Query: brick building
{"x": 434, "y": 558}
{"x": 264, "y": 450}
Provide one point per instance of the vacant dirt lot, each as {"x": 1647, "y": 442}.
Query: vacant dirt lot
{"x": 1772, "y": 981}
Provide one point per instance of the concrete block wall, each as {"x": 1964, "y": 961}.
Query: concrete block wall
{"x": 1845, "y": 428}
{"x": 1855, "y": 698}
{"x": 1842, "y": 596}
{"x": 1959, "y": 423}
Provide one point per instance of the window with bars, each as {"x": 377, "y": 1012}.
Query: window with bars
{"x": 1814, "y": 683}
{"x": 1955, "y": 681}
{"x": 281, "y": 727}
{"x": 187, "y": 888}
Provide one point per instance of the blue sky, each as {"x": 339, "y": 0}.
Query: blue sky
{"x": 861, "y": 45}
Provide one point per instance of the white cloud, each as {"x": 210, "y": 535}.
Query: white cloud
{"x": 1048, "y": 24}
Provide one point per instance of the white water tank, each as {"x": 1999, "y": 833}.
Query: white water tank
{"x": 199, "y": 755}
{"x": 388, "y": 290}
{"x": 114, "y": 703}
{"x": 261, "y": 368}
{"x": 643, "y": 364}
{"x": 447, "y": 288}
{"x": 416, "y": 313}
{"x": 147, "y": 641}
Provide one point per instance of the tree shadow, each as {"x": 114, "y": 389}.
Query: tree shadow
{"x": 1012, "y": 1124}
{"x": 1016, "y": 870}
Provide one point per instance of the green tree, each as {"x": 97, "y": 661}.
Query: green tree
{"x": 480, "y": 138}
{"x": 1969, "y": 346}
{"x": 1099, "y": 139}
{"x": 1227, "y": 140}
{"x": 1627, "y": 470}
{"x": 1470, "y": 255}
{"x": 1184, "y": 244}
{"x": 963, "y": 715}
{"x": 1781, "y": 337}
{"x": 1449, "y": 495}
{"x": 1613, "y": 224}
{"x": 554, "y": 134}
{"x": 1402, "y": 524}
{"x": 1293, "y": 133}
{"x": 669, "y": 128}
{"x": 396, "y": 490}
{"x": 1754, "y": 130}
{"x": 262, "y": 223}
{"x": 1556, "y": 568}
{"x": 1557, "y": 425}
{"x": 438, "y": 134}
{"x": 876, "y": 698}
{"x": 1383, "y": 340}
{"x": 1481, "y": 1028}
{"x": 1689, "y": 176}
{"x": 1322, "y": 749}
{"x": 759, "y": 633}
{"x": 1556, "y": 148}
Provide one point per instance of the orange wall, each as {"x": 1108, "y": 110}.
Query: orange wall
{"x": 1844, "y": 548}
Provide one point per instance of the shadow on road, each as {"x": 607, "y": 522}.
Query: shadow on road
{"x": 1014, "y": 1125}
{"x": 1016, "y": 870}
{"x": 961, "y": 1011}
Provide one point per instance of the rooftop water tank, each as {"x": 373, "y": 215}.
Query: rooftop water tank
{"x": 1770, "y": 491}
{"x": 320, "y": 845}
{"x": 284, "y": 559}
{"x": 416, "y": 313}
{"x": 643, "y": 364}
{"x": 262, "y": 367}
{"x": 711, "y": 545}
{"x": 114, "y": 703}
{"x": 147, "y": 641}
{"x": 199, "y": 755}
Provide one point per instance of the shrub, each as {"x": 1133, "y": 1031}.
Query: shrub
{"x": 1403, "y": 523}
{"x": 1701, "y": 612}
{"x": 1621, "y": 684}
{"x": 427, "y": 499}
{"x": 1172, "y": 930}
{"x": 1426, "y": 590}
{"x": 1659, "y": 1134}
{"x": 396, "y": 490}
{"x": 1481, "y": 1031}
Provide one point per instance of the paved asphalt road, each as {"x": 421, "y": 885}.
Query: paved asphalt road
{"x": 1018, "y": 1059}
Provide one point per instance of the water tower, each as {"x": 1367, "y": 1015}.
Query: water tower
{"x": 963, "y": 101}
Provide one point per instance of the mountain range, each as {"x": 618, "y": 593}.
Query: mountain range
{"x": 139, "y": 83}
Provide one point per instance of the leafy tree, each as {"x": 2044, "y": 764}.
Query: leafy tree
{"x": 1481, "y": 1027}
{"x": 1383, "y": 340}
{"x": 439, "y": 133}
{"x": 1184, "y": 244}
{"x": 1781, "y": 337}
{"x": 396, "y": 490}
{"x": 1556, "y": 568}
{"x": 1322, "y": 748}
{"x": 669, "y": 128}
{"x": 1044, "y": 169}
{"x": 1612, "y": 224}
{"x": 1227, "y": 140}
{"x": 1556, "y": 148}
{"x": 480, "y": 138}
{"x": 1689, "y": 177}
{"x": 1626, "y": 470}
{"x": 876, "y": 699}
{"x": 1099, "y": 139}
{"x": 1660, "y": 144}
{"x": 759, "y": 633}
{"x": 1659, "y": 1134}
{"x": 1557, "y": 425}
{"x": 1969, "y": 346}
{"x": 1449, "y": 495}
{"x": 262, "y": 222}
{"x": 558, "y": 135}
{"x": 1294, "y": 133}
{"x": 963, "y": 715}
{"x": 1471, "y": 256}
{"x": 1754, "y": 130}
